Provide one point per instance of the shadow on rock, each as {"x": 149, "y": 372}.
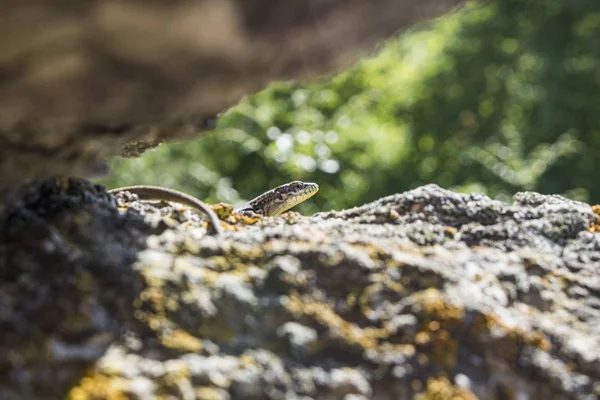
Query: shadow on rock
{"x": 66, "y": 283}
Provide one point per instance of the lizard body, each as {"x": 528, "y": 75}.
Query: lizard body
{"x": 270, "y": 203}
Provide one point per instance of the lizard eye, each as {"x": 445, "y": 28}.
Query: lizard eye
{"x": 279, "y": 197}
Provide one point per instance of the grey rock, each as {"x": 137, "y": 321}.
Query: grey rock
{"x": 457, "y": 293}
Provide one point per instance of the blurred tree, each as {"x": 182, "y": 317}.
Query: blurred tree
{"x": 497, "y": 98}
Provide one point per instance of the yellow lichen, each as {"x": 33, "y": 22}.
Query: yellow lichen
{"x": 434, "y": 305}
{"x": 323, "y": 314}
{"x": 440, "y": 388}
{"x": 595, "y": 227}
{"x": 422, "y": 338}
{"x": 95, "y": 386}
{"x": 175, "y": 373}
{"x": 208, "y": 393}
{"x": 433, "y": 326}
{"x": 246, "y": 361}
{"x": 181, "y": 340}
{"x": 190, "y": 246}
{"x": 439, "y": 318}
{"x": 223, "y": 210}
{"x": 370, "y": 292}
{"x": 169, "y": 383}
{"x": 245, "y": 219}
{"x": 515, "y": 337}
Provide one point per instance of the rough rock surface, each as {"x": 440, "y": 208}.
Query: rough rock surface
{"x": 83, "y": 80}
{"x": 428, "y": 293}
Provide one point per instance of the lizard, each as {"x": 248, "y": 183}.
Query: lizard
{"x": 148, "y": 192}
{"x": 268, "y": 204}
{"x": 280, "y": 199}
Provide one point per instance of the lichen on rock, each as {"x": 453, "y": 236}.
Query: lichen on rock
{"x": 427, "y": 293}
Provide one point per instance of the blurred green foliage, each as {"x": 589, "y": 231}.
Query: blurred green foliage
{"x": 496, "y": 99}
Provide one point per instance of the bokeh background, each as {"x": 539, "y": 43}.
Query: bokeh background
{"x": 495, "y": 98}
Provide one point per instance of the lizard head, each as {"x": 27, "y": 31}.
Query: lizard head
{"x": 284, "y": 197}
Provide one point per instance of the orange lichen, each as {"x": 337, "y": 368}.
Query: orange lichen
{"x": 450, "y": 232}
{"x": 244, "y": 219}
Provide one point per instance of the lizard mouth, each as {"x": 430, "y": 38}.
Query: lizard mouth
{"x": 309, "y": 190}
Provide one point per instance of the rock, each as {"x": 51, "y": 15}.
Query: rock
{"x": 457, "y": 295}
{"x": 81, "y": 81}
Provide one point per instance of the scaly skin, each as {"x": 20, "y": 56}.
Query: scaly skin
{"x": 145, "y": 192}
{"x": 280, "y": 199}
{"x": 268, "y": 204}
